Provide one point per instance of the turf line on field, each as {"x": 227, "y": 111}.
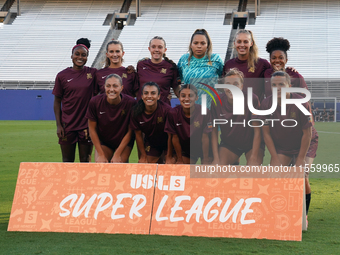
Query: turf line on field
{"x": 325, "y": 132}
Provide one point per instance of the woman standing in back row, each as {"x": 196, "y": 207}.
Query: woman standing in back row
{"x": 158, "y": 69}
{"x": 113, "y": 65}
{"x": 200, "y": 65}
{"x": 248, "y": 62}
{"x": 73, "y": 89}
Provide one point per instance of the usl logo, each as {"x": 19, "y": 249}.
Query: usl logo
{"x": 176, "y": 183}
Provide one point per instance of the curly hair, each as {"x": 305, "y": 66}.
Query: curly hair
{"x": 278, "y": 43}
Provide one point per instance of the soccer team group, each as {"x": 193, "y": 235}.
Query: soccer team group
{"x": 114, "y": 107}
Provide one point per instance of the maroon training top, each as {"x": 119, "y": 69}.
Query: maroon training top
{"x": 112, "y": 120}
{"x": 75, "y": 88}
{"x": 160, "y": 73}
{"x": 189, "y": 130}
{"x": 238, "y": 135}
{"x": 297, "y": 80}
{"x": 128, "y": 79}
{"x": 252, "y": 78}
{"x": 152, "y": 125}
{"x": 287, "y": 139}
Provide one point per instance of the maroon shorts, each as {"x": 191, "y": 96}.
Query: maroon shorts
{"x": 79, "y": 136}
{"x": 293, "y": 155}
{"x": 154, "y": 151}
{"x": 235, "y": 150}
{"x": 311, "y": 153}
{"x": 113, "y": 146}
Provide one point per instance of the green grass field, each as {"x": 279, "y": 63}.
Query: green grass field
{"x": 36, "y": 141}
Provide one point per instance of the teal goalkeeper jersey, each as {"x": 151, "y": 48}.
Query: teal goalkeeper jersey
{"x": 200, "y": 71}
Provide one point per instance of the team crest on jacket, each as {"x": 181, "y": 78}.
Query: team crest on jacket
{"x": 197, "y": 124}
{"x": 159, "y": 119}
{"x": 147, "y": 148}
{"x": 293, "y": 115}
{"x": 122, "y": 112}
{"x": 251, "y": 70}
{"x": 163, "y": 70}
{"x": 124, "y": 75}
{"x": 89, "y": 76}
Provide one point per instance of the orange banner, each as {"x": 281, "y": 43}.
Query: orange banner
{"x": 227, "y": 207}
{"x": 86, "y": 198}
{"x": 119, "y": 198}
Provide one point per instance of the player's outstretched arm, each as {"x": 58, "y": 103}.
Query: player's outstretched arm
{"x": 57, "y": 113}
{"x": 125, "y": 141}
{"x": 140, "y": 146}
{"x": 252, "y": 161}
{"x": 96, "y": 142}
{"x": 214, "y": 144}
{"x": 274, "y": 161}
{"x": 178, "y": 149}
{"x": 169, "y": 155}
{"x": 305, "y": 142}
{"x": 205, "y": 148}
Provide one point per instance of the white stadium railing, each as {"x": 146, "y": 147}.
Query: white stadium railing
{"x": 312, "y": 28}
{"x": 38, "y": 44}
{"x": 175, "y": 21}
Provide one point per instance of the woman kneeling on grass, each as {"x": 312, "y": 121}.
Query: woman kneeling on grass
{"x": 148, "y": 118}
{"x": 189, "y": 128}
{"x": 109, "y": 117}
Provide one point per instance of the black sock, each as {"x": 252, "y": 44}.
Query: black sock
{"x": 308, "y": 199}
